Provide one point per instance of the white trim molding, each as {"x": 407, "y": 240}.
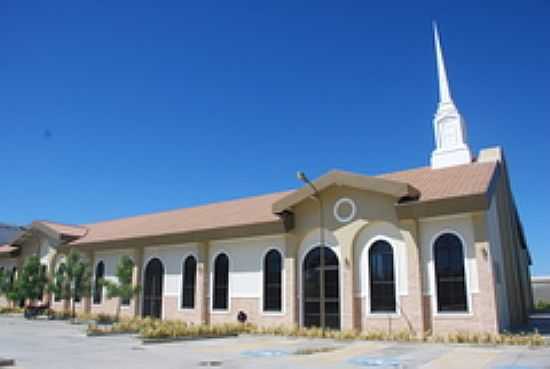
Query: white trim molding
{"x": 336, "y": 210}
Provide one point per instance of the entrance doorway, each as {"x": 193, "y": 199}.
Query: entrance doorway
{"x": 152, "y": 289}
{"x": 313, "y": 312}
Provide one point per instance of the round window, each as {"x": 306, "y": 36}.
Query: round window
{"x": 344, "y": 210}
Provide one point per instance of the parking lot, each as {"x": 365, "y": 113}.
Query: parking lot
{"x": 60, "y": 345}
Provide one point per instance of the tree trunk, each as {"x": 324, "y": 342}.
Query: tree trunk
{"x": 118, "y": 309}
{"x": 73, "y": 308}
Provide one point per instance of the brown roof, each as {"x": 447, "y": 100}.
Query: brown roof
{"x": 445, "y": 183}
{"x": 250, "y": 210}
{"x": 7, "y": 249}
{"x": 432, "y": 184}
{"x": 64, "y": 229}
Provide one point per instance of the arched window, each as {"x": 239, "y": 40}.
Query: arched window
{"x": 382, "y": 277}
{"x": 273, "y": 266}
{"x": 189, "y": 279}
{"x": 449, "y": 274}
{"x": 58, "y": 279}
{"x": 221, "y": 282}
{"x": 98, "y": 287}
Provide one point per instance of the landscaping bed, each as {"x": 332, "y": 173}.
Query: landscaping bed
{"x": 155, "y": 331}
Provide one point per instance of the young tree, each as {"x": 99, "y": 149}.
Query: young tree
{"x": 72, "y": 282}
{"x": 5, "y": 282}
{"x": 32, "y": 279}
{"x": 9, "y": 287}
{"x": 123, "y": 289}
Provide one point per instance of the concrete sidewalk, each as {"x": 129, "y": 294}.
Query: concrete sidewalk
{"x": 60, "y": 345}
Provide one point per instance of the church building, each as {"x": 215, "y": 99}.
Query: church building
{"x": 439, "y": 248}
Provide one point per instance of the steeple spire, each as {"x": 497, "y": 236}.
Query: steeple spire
{"x": 444, "y": 93}
{"x": 449, "y": 127}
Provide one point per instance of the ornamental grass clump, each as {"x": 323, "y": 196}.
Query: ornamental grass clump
{"x": 177, "y": 329}
{"x": 484, "y": 338}
{"x": 129, "y": 326}
{"x": 11, "y": 310}
{"x": 133, "y": 325}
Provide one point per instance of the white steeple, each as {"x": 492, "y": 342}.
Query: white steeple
{"x": 449, "y": 126}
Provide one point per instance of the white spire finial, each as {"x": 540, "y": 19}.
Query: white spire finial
{"x": 444, "y": 93}
{"x": 449, "y": 127}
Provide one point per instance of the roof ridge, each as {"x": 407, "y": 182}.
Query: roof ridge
{"x": 86, "y": 225}
{"x": 59, "y": 223}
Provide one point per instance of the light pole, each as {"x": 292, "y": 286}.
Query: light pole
{"x": 317, "y": 195}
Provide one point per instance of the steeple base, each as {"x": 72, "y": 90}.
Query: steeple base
{"x": 449, "y": 158}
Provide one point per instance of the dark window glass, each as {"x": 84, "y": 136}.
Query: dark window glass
{"x": 189, "y": 276}
{"x": 311, "y": 282}
{"x": 98, "y": 288}
{"x": 382, "y": 280}
{"x": 273, "y": 264}
{"x": 449, "y": 274}
{"x": 221, "y": 282}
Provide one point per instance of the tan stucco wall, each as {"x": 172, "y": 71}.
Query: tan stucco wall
{"x": 376, "y": 217}
{"x": 515, "y": 262}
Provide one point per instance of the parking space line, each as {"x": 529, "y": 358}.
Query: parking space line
{"x": 456, "y": 359}
{"x": 342, "y": 353}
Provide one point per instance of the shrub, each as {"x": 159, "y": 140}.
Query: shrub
{"x": 11, "y": 310}
{"x": 542, "y": 306}
{"x": 102, "y": 318}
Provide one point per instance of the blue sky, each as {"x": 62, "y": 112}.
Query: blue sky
{"x": 112, "y": 108}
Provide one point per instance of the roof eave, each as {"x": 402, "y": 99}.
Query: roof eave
{"x": 340, "y": 178}
{"x": 443, "y": 206}
{"x": 210, "y": 234}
